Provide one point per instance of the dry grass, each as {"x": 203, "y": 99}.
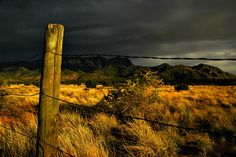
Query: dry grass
{"x": 82, "y": 95}
{"x": 14, "y": 144}
{"x": 102, "y": 135}
{"x": 151, "y": 142}
{"x": 77, "y": 138}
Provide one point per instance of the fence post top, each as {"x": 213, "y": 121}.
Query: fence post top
{"x": 53, "y": 25}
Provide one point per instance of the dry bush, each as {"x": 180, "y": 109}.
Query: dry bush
{"x": 134, "y": 93}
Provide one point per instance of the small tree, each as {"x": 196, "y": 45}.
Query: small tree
{"x": 129, "y": 96}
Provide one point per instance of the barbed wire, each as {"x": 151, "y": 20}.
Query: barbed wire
{"x": 26, "y": 60}
{"x": 60, "y": 54}
{"x": 17, "y": 132}
{"x": 35, "y": 137}
{"x": 33, "y": 57}
{"x": 127, "y": 56}
{"x": 18, "y": 94}
{"x": 56, "y": 148}
{"x": 153, "y": 57}
{"x": 131, "y": 117}
{"x": 109, "y": 112}
{"x": 113, "y": 113}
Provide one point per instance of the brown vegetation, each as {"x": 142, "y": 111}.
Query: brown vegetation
{"x": 103, "y": 135}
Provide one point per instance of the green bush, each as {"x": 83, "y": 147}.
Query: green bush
{"x": 91, "y": 84}
{"x": 4, "y": 82}
{"x": 181, "y": 86}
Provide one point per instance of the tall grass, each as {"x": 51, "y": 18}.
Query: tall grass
{"x": 103, "y": 135}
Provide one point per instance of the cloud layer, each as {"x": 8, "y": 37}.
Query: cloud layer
{"x": 193, "y": 28}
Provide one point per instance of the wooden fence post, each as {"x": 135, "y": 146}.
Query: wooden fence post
{"x": 50, "y": 87}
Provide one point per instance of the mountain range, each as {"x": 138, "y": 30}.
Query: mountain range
{"x": 100, "y": 69}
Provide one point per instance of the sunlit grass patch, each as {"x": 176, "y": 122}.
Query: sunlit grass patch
{"x": 100, "y": 134}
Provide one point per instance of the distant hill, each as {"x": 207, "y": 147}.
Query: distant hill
{"x": 200, "y": 74}
{"x": 86, "y": 64}
{"x": 89, "y": 64}
{"x": 201, "y": 71}
{"x": 100, "y": 69}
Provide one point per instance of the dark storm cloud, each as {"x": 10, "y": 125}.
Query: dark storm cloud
{"x": 199, "y": 28}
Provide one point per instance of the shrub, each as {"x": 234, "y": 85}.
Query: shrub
{"x": 181, "y": 87}
{"x": 139, "y": 91}
{"x": 27, "y": 82}
{"x": 91, "y": 84}
{"x": 4, "y": 82}
{"x": 36, "y": 83}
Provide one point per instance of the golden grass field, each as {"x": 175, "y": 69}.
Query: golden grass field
{"x": 103, "y": 135}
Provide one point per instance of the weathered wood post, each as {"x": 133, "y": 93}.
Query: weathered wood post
{"x": 49, "y": 89}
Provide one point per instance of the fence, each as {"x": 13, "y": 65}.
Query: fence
{"x": 42, "y": 143}
{"x": 160, "y": 123}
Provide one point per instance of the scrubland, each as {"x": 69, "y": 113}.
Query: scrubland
{"x": 99, "y": 134}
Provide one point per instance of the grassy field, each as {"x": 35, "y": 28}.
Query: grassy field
{"x": 101, "y": 135}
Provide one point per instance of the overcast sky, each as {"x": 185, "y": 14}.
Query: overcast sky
{"x": 171, "y": 28}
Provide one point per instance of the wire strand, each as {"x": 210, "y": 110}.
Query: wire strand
{"x": 109, "y": 112}
{"x": 100, "y": 110}
{"x": 28, "y": 136}
{"x": 54, "y": 53}
{"x": 154, "y": 57}
{"x": 133, "y": 117}
{"x": 33, "y": 57}
{"x": 60, "y": 150}
{"x": 20, "y": 133}
{"x": 121, "y": 56}
{"x": 18, "y": 94}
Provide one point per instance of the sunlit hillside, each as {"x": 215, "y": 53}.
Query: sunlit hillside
{"x": 100, "y": 134}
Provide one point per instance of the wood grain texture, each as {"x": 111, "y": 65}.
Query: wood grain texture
{"x": 50, "y": 86}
